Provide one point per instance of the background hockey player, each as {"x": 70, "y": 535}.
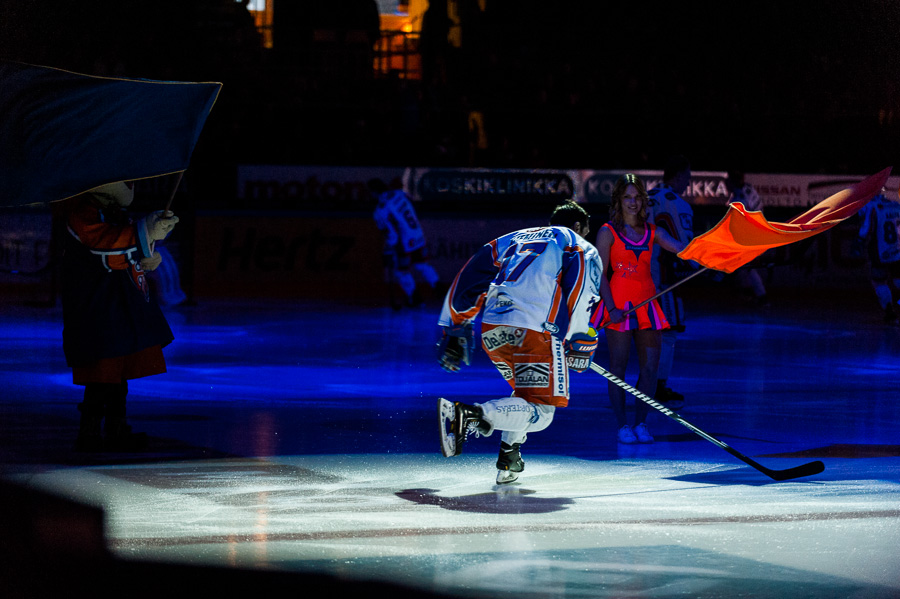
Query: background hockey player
{"x": 879, "y": 233}
{"x": 537, "y": 290}
{"x": 747, "y": 278}
{"x": 405, "y": 252}
{"x": 671, "y": 213}
{"x": 113, "y": 330}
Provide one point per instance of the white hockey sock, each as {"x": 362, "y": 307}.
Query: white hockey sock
{"x": 883, "y": 292}
{"x": 428, "y": 273}
{"x": 406, "y": 281}
{"x": 515, "y": 415}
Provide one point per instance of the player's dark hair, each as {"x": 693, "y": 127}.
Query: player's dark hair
{"x": 376, "y": 186}
{"x": 567, "y": 214}
{"x": 734, "y": 180}
{"x": 674, "y": 165}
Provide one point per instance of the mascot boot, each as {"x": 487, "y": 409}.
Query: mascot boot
{"x": 90, "y": 438}
{"x": 118, "y": 435}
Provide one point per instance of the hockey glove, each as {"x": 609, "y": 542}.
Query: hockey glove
{"x": 580, "y": 350}
{"x": 455, "y": 347}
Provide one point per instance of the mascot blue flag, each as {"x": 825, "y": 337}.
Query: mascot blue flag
{"x": 63, "y": 133}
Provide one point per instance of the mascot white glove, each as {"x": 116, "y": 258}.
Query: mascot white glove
{"x": 151, "y": 262}
{"x": 159, "y": 224}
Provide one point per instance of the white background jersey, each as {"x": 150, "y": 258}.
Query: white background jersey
{"x": 543, "y": 279}
{"x": 881, "y": 219}
{"x": 670, "y": 212}
{"x": 396, "y": 217}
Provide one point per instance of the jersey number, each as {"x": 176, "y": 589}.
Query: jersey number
{"x": 510, "y": 269}
{"x": 890, "y": 232}
{"x": 410, "y": 218}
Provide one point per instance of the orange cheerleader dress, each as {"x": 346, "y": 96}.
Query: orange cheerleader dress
{"x": 632, "y": 284}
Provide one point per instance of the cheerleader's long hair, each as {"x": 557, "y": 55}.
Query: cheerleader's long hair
{"x": 616, "y": 219}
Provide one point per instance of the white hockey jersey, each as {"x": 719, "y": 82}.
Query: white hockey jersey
{"x": 881, "y": 219}
{"x": 543, "y": 279}
{"x": 671, "y": 213}
{"x": 668, "y": 210}
{"x": 397, "y": 219}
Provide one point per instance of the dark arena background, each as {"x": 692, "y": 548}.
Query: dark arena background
{"x": 293, "y": 442}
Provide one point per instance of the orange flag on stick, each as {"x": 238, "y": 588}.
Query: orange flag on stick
{"x": 742, "y": 235}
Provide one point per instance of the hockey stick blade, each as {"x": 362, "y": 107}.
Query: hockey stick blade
{"x": 779, "y": 475}
{"x": 795, "y": 472}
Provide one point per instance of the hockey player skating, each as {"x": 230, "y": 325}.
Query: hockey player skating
{"x": 404, "y": 253}
{"x": 537, "y": 291}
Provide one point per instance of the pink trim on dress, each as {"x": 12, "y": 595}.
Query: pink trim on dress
{"x": 632, "y": 241}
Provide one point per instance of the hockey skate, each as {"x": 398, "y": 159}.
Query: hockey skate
{"x": 509, "y": 463}
{"x": 456, "y": 421}
{"x": 670, "y": 399}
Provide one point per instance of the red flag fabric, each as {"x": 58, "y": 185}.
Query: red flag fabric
{"x": 743, "y": 235}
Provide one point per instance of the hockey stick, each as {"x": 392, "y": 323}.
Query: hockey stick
{"x": 172, "y": 194}
{"x": 787, "y": 474}
{"x": 167, "y": 212}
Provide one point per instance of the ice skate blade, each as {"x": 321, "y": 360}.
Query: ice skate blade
{"x": 446, "y": 411}
{"x": 504, "y": 477}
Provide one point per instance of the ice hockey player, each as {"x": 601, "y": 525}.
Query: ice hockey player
{"x": 670, "y": 212}
{"x": 879, "y": 235}
{"x": 536, "y": 291}
{"x": 404, "y": 251}
{"x": 113, "y": 330}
